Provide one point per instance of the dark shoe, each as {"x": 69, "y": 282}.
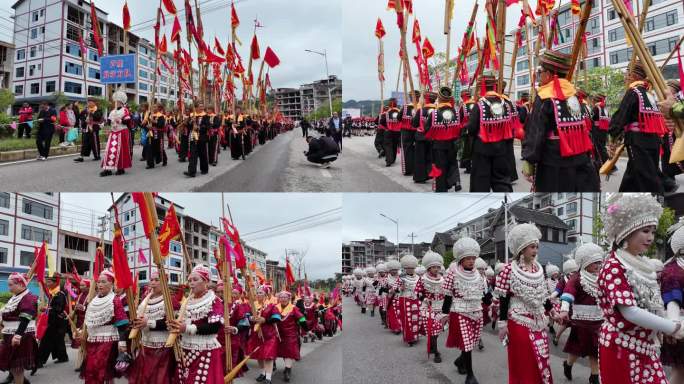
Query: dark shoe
{"x": 493, "y": 325}
{"x": 372, "y": 312}
{"x": 164, "y": 164}
{"x": 363, "y": 310}
{"x": 480, "y": 346}
{"x": 204, "y": 173}
{"x": 457, "y": 187}
{"x": 26, "y": 381}
{"x": 62, "y": 361}
{"x": 105, "y": 173}
{"x": 411, "y": 343}
{"x": 261, "y": 378}
{"x": 78, "y": 159}
{"x": 567, "y": 370}
{"x": 97, "y": 158}
{"x": 306, "y": 340}
{"x": 438, "y": 357}
{"x": 267, "y": 381}
{"x": 594, "y": 379}
{"x": 470, "y": 379}
{"x": 286, "y": 375}
{"x": 459, "y": 364}
{"x": 188, "y": 174}
{"x": 554, "y": 340}
{"x": 149, "y": 167}
{"x": 120, "y": 172}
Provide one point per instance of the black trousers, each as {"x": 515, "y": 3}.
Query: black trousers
{"x": 380, "y": 141}
{"x": 391, "y": 142}
{"x": 510, "y": 155}
{"x": 52, "y": 343}
{"x": 198, "y": 153}
{"x": 422, "y": 161}
{"x": 444, "y": 157}
{"x": 490, "y": 173}
{"x": 24, "y": 128}
{"x": 43, "y": 142}
{"x": 642, "y": 173}
{"x": 237, "y": 146}
{"x": 213, "y": 149}
{"x": 90, "y": 143}
{"x": 155, "y": 153}
{"x": 408, "y": 141}
{"x": 184, "y": 147}
{"x": 305, "y": 132}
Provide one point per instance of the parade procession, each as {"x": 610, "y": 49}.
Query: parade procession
{"x": 513, "y": 95}
{"x": 147, "y": 311}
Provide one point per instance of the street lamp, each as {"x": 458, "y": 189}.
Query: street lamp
{"x": 396, "y": 222}
{"x": 325, "y": 56}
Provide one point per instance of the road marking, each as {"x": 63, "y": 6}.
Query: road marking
{"x": 34, "y": 160}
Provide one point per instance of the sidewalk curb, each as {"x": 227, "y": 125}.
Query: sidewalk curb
{"x": 28, "y": 154}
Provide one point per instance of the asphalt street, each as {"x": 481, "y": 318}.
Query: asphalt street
{"x": 321, "y": 362}
{"x": 372, "y": 354}
{"x": 380, "y": 178}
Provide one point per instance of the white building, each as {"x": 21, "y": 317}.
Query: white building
{"x": 26, "y": 220}
{"x": 77, "y": 250}
{"x": 577, "y": 210}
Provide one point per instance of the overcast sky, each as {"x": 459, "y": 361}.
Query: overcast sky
{"x": 423, "y": 214}
{"x": 290, "y": 27}
{"x": 251, "y": 212}
{"x": 360, "y": 45}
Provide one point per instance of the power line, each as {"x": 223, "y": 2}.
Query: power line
{"x": 293, "y": 221}
{"x": 425, "y": 229}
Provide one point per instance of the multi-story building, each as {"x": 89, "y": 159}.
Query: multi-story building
{"x": 26, "y": 221}
{"x": 6, "y": 64}
{"x": 296, "y": 103}
{"x": 47, "y": 58}
{"x": 289, "y": 102}
{"x": 77, "y": 251}
{"x": 370, "y": 252}
{"x": 606, "y": 42}
{"x": 276, "y": 274}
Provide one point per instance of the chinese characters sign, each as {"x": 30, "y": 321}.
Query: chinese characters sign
{"x": 118, "y": 69}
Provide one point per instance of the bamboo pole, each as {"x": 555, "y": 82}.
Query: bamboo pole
{"x": 448, "y": 8}
{"x": 231, "y": 375}
{"x": 642, "y": 23}
{"x": 135, "y": 331}
{"x": 381, "y": 63}
{"x": 227, "y": 295}
{"x": 530, "y": 63}
{"x": 513, "y": 60}
{"x": 157, "y": 257}
{"x": 577, "y": 43}
{"x": 401, "y": 64}
{"x": 552, "y": 32}
{"x": 407, "y": 65}
{"x": 501, "y": 31}
{"x": 671, "y": 55}
{"x": 156, "y": 66}
{"x": 189, "y": 38}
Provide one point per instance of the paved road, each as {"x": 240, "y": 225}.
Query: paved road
{"x": 325, "y": 365}
{"x": 374, "y": 355}
{"x": 380, "y": 178}
{"x": 279, "y": 165}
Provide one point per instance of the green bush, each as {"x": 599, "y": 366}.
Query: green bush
{"x": 4, "y": 297}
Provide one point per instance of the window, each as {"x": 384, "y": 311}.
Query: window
{"x": 19, "y": 72}
{"x": 73, "y": 32}
{"x": 671, "y": 18}
{"x": 73, "y": 68}
{"x": 35, "y": 88}
{"x": 142, "y": 275}
{"x": 142, "y": 86}
{"x": 523, "y": 80}
{"x": 37, "y": 209}
{"x": 144, "y": 50}
{"x": 42, "y": 12}
{"x": 616, "y": 34}
{"x": 174, "y": 277}
{"x": 593, "y": 62}
{"x": 564, "y": 17}
{"x": 34, "y": 33}
{"x": 18, "y": 89}
{"x": 72, "y": 87}
{"x": 571, "y": 223}
{"x": 522, "y": 65}
{"x": 4, "y": 227}
{"x": 92, "y": 55}
{"x": 32, "y": 69}
{"x": 143, "y": 61}
{"x": 125, "y": 231}
{"x": 175, "y": 246}
{"x": 75, "y": 243}
{"x": 50, "y": 87}
{"x": 572, "y": 208}
{"x": 42, "y": 30}
{"x": 35, "y": 234}
{"x": 560, "y": 211}
{"x": 32, "y": 51}
{"x": 94, "y": 73}
{"x": 72, "y": 49}
{"x": 3, "y": 255}
{"x": 594, "y": 26}
{"x": 661, "y": 47}
{"x": 4, "y": 200}
{"x": 75, "y": 16}
{"x": 35, "y": 16}
{"x": 21, "y": 54}
{"x": 143, "y": 74}
{"x": 594, "y": 45}
{"x": 176, "y": 262}
{"x": 620, "y": 56}
{"x": 26, "y": 258}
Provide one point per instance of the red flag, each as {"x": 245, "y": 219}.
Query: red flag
{"x": 428, "y": 50}
{"x": 126, "y": 17}
{"x": 234, "y": 20}
{"x": 391, "y": 4}
{"x": 232, "y": 232}
{"x": 379, "y": 29}
{"x": 162, "y": 46}
{"x": 122, "y": 273}
{"x": 166, "y": 65}
{"x": 289, "y": 276}
{"x": 98, "y": 267}
{"x": 416, "y": 32}
{"x": 268, "y": 81}
{"x": 175, "y": 32}
{"x": 218, "y": 47}
{"x": 145, "y": 214}
{"x": 254, "y": 51}
{"x": 84, "y": 49}
{"x": 96, "y": 28}
{"x": 210, "y": 57}
{"x": 141, "y": 257}
{"x": 41, "y": 262}
{"x": 170, "y": 230}
{"x": 270, "y": 58}
{"x": 170, "y": 7}
{"x": 679, "y": 65}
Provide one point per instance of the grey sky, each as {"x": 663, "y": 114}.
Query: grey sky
{"x": 360, "y": 45}
{"x": 251, "y": 212}
{"x": 289, "y": 27}
{"x": 417, "y": 213}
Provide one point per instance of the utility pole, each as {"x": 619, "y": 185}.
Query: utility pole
{"x": 412, "y": 236}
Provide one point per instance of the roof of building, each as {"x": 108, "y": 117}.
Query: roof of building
{"x": 81, "y": 235}
{"x": 16, "y": 4}
{"x": 540, "y": 218}
{"x": 445, "y": 237}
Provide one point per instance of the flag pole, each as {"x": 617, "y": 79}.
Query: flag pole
{"x": 448, "y": 9}
{"x": 227, "y": 294}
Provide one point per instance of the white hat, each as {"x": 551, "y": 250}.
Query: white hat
{"x": 120, "y": 96}
{"x": 393, "y": 264}
{"x": 465, "y": 247}
{"x": 521, "y": 236}
{"x": 381, "y": 267}
{"x": 587, "y": 254}
{"x": 657, "y": 264}
{"x": 489, "y": 272}
{"x": 480, "y": 263}
{"x": 408, "y": 261}
{"x": 370, "y": 271}
{"x": 499, "y": 267}
{"x": 677, "y": 240}
{"x": 570, "y": 266}
{"x": 628, "y": 212}
{"x": 431, "y": 258}
{"x": 420, "y": 270}
{"x": 551, "y": 269}
{"x": 358, "y": 272}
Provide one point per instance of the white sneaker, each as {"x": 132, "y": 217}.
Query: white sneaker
{"x": 63, "y": 144}
{"x": 43, "y": 158}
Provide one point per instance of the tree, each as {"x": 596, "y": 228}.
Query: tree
{"x": 323, "y": 111}
{"x": 598, "y": 232}
{"x": 448, "y": 258}
{"x": 60, "y": 99}
{"x": 607, "y": 80}
{"x": 6, "y": 99}
{"x": 667, "y": 219}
